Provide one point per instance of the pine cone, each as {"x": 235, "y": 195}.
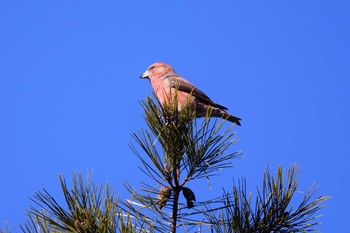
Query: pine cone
{"x": 163, "y": 196}
{"x": 189, "y": 195}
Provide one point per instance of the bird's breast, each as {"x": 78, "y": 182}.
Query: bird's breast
{"x": 166, "y": 93}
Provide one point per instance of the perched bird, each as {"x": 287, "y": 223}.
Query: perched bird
{"x": 189, "y": 195}
{"x": 163, "y": 196}
{"x": 165, "y": 81}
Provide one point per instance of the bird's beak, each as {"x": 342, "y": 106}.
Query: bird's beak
{"x": 145, "y": 74}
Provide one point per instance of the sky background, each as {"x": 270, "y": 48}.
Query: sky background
{"x": 70, "y": 90}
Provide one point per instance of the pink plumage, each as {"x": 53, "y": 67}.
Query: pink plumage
{"x": 165, "y": 80}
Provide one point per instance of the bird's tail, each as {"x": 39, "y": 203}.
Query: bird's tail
{"x": 231, "y": 118}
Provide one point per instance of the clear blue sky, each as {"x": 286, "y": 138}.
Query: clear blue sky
{"x": 70, "y": 92}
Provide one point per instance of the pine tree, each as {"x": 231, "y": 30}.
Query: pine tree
{"x": 177, "y": 149}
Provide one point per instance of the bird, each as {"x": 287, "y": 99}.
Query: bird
{"x": 165, "y": 81}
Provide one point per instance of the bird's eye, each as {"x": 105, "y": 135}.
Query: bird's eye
{"x": 152, "y": 67}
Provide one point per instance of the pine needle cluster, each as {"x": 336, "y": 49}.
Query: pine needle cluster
{"x": 176, "y": 149}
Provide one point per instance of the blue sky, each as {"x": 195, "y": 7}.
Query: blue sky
{"x": 70, "y": 92}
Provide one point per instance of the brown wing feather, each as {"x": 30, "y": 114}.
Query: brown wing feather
{"x": 177, "y": 81}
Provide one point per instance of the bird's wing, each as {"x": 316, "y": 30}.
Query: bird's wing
{"x": 185, "y": 86}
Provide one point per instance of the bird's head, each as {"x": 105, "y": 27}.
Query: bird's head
{"x": 157, "y": 70}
